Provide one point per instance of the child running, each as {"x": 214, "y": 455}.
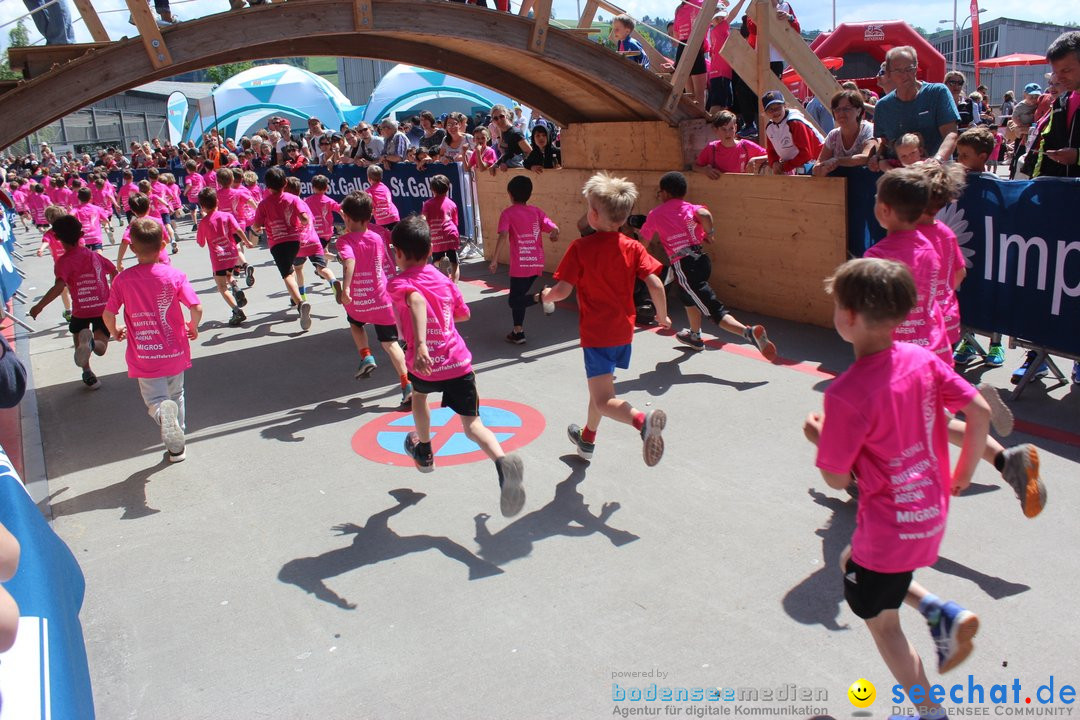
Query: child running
{"x": 884, "y": 421}
{"x": 524, "y": 225}
{"x": 322, "y": 208}
{"x": 367, "y": 269}
{"x": 311, "y": 248}
{"x": 193, "y": 185}
{"x": 603, "y": 267}
{"x": 56, "y": 248}
{"x": 87, "y": 274}
{"x": 386, "y": 213}
{"x": 140, "y": 208}
{"x": 284, "y": 216}
{"x": 222, "y": 235}
{"x": 441, "y": 214}
{"x": 683, "y": 228}
{"x": 427, "y": 305}
{"x": 158, "y": 339}
{"x": 91, "y": 217}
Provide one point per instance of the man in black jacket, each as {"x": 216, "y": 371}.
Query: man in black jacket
{"x": 1059, "y": 152}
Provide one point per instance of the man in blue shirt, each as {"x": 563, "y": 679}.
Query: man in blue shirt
{"x": 913, "y": 106}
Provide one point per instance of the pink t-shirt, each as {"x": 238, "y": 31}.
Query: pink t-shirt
{"x": 157, "y": 341}
{"x": 385, "y": 212}
{"x": 370, "y": 303}
{"x": 675, "y": 223}
{"x": 210, "y": 179}
{"x": 217, "y": 231}
{"x": 280, "y": 214}
{"x": 323, "y": 208}
{"x": 442, "y": 217}
{"x": 718, "y": 35}
{"x": 685, "y": 15}
{"x": 256, "y": 192}
{"x": 36, "y": 204}
{"x": 944, "y": 241}
{"x": 19, "y": 198}
{"x": 57, "y": 195}
{"x": 102, "y": 197}
{"x": 225, "y": 200}
{"x": 488, "y": 155}
{"x": 174, "y": 196}
{"x": 163, "y": 256}
{"x": 125, "y": 193}
{"x": 243, "y": 205}
{"x": 91, "y": 217}
{"x": 450, "y": 358}
{"x": 525, "y": 225}
{"x": 729, "y": 159}
{"x": 193, "y": 183}
{"x": 56, "y": 248}
{"x": 885, "y": 420}
{"x": 925, "y": 324}
{"x": 86, "y": 274}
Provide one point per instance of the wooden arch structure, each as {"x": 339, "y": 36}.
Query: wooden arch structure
{"x": 559, "y": 72}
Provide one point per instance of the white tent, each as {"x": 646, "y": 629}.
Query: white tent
{"x": 406, "y": 88}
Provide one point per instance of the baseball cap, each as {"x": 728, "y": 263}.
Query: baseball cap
{"x": 771, "y": 98}
{"x": 1032, "y": 89}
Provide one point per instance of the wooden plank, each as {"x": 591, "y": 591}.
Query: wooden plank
{"x": 693, "y": 45}
{"x": 150, "y": 34}
{"x": 92, "y": 20}
{"x": 621, "y": 146}
{"x": 34, "y": 60}
{"x": 541, "y": 19}
{"x": 363, "y": 16}
{"x": 763, "y": 10}
{"x": 526, "y": 6}
{"x": 587, "y": 15}
{"x": 809, "y": 66}
{"x": 586, "y": 31}
{"x": 656, "y": 60}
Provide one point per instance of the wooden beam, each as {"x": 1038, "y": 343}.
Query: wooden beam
{"x": 93, "y": 22}
{"x": 150, "y": 33}
{"x": 656, "y": 60}
{"x": 35, "y": 60}
{"x": 809, "y": 66}
{"x": 588, "y": 14}
{"x": 526, "y": 6}
{"x": 363, "y": 17}
{"x": 693, "y": 46}
{"x": 763, "y": 13}
{"x": 541, "y": 19}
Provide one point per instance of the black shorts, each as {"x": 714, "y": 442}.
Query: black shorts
{"x": 721, "y": 93}
{"x": 692, "y": 273}
{"x": 450, "y": 255}
{"x": 284, "y": 254}
{"x": 229, "y": 271}
{"x": 458, "y": 394}
{"x": 77, "y": 325}
{"x": 166, "y": 218}
{"x": 319, "y": 261}
{"x": 383, "y": 333}
{"x": 699, "y": 62}
{"x": 868, "y": 592}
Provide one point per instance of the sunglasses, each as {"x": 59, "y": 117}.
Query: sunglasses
{"x": 497, "y": 117}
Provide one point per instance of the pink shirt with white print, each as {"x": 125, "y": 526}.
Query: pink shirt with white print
{"x": 441, "y": 214}
{"x": 525, "y": 225}
{"x": 36, "y": 204}
{"x": 163, "y": 256}
{"x": 925, "y": 324}
{"x": 56, "y": 248}
{"x": 279, "y": 214}
{"x": 885, "y": 420}
{"x": 175, "y": 202}
{"x": 369, "y": 301}
{"x": 384, "y": 211}
{"x": 86, "y": 274}
{"x": 944, "y": 241}
{"x": 217, "y": 232}
{"x": 151, "y": 295}
{"x": 323, "y": 208}
{"x": 193, "y": 184}
{"x": 125, "y": 193}
{"x": 674, "y": 221}
{"x": 90, "y": 216}
{"x": 243, "y": 205}
{"x": 450, "y": 358}
{"x": 103, "y": 196}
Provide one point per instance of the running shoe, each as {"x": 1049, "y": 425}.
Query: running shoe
{"x": 237, "y": 318}
{"x": 750, "y": 130}
{"x": 691, "y": 339}
{"x": 67, "y": 316}
{"x": 584, "y": 449}
{"x": 952, "y": 634}
{"x": 406, "y": 397}
{"x": 517, "y": 338}
{"x": 305, "y": 315}
{"x": 419, "y": 452}
{"x": 171, "y": 432}
{"x": 995, "y": 357}
{"x": 90, "y": 380}
{"x": 367, "y": 366}
{"x": 249, "y": 276}
{"x": 1018, "y": 373}
{"x": 652, "y": 441}
{"x": 1001, "y": 416}
{"x": 1021, "y": 471}
{"x": 757, "y": 335}
{"x": 175, "y": 248}
{"x": 511, "y": 477}
{"x": 965, "y": 353}
{"x": 84, "y": 347}
{"x": 239, "y": 296}
{"x": 337, "y": 291}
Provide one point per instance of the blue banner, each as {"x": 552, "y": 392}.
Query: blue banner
{"x": 45, "y": 674}
{"x": 9, "y": 279}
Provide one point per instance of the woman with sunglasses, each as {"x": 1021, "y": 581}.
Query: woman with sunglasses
{"x": 369, "y": 145}
{"x": 513, "y": 148}
{"x": 955, "y": 82}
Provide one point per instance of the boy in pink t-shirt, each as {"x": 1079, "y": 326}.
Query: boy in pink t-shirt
{"x": 104, "y": 196}
{"x": 311, "y": 248}
{"x": 441, "y": 214}
{"x": 127, "y": 189}
{"x": 386, "y": 213}
{"x": 140, "y": 208}
{"x": 285, "y": 217}
{"x": 36, "y": 203}
{"x": 683, "y": 228}
{"x": 193, "y": 183}
{"x": 427, "y": 305}
{"x": 91, "y": 217}
{"x": 222, "y": 235}
{"x": 524, "y": 226}
{"x": 884, "y": 423}
{"x": 84, "y": 274}
{"x": 158, "y": 350}
{"x": 367, "y": 269}
{"x": 323, "y": 208}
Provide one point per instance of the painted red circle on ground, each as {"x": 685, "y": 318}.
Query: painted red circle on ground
{"x": 383, "y": 439}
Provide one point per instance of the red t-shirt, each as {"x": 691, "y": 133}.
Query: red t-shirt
{"x": 603, "y": 267}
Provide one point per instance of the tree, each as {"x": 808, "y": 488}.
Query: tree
{"x": 18, "y": 37}
{"x": 220, "y": 73}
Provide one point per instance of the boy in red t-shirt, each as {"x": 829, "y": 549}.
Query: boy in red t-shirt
{"x": 885, "y": 423}
{"x": 603, "y": 267}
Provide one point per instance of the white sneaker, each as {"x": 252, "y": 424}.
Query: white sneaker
{"x": 171, "y": 432}
{"x": 84, "y": 347}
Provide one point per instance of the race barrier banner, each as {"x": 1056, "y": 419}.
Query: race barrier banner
{"x": 9, "y": 279}
{"x": 45, "y": 674}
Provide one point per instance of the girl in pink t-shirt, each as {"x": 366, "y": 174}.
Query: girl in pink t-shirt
{"x": 140, "y": 207}
{"x": 57, "y": 250}
{"x": 482, "y": 157}
{"x": 193, "y": 183}
{"x": 386, "y": 213}
{"x": 222, "y": 235}
{"x": 311, "y": 248}
{"x": 728, "y": 153}
{"x": 946, "y": 185}
{"x": 523, "y": 225}
{"x": 441, "y": 214}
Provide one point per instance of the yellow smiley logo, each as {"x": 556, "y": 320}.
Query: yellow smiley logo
{"x": 862, "y": 693}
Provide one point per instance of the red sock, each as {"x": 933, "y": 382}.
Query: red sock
{"x": 404, "y": 380}
{"x": 364, "y": 353}
{"x": 639, "y": 419}
{"x": 588, "y": 434}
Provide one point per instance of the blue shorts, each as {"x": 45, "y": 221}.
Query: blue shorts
{"x": 603, "y": 361}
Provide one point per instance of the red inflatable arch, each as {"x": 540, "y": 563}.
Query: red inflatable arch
{"x": 863, "y": 47}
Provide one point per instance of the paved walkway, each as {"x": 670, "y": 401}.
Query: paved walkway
{"x": 277, "y": 573}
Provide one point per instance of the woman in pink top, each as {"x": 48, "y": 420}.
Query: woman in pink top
{"x": 729, "y": 154}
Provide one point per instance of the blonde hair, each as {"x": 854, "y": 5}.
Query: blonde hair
{"x": 611, "y": 197}
{"x": 946, "y": 182}
{"x": 910, "y": 139}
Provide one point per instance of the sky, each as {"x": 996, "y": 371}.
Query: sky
{"x": 812, "y": 14}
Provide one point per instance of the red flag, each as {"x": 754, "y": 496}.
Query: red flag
{"x": 975, "y": 37}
